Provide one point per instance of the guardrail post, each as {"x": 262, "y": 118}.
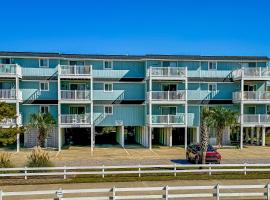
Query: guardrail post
{"x": 245, "y": 168}
{"x": 25, "y": 172}
{"x": 268, "y": 191}
{"x": 217, "y": 191}
{"x": 103, "y": 170}
{"x": 113, "y": 193}
{"x": 1, "y": 195}
{"x": 59, "y": 194}
{"x": 210, "y": 168}
{"x": 166, "y": 188}
{"x": 139, "y": 170}
{"x": 65, "y": 172}
{"x": 174, "y": 169}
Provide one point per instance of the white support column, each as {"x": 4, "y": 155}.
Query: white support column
{"x": 59, "y": 109}
{"x": 242, "y": 111}
{"x": 252, "y": 135}
{"x": 186, "y": 109}
{"x": 258, "y": 135}
{"x": 247, "y": 134}
{"x": 17, "y": 109}
{"x": 150, "y": 110}
{"x": 263, "y": 136}
{"x": 170, "y": 137}
{"x": 92, "y": 112}
{"x": 150, "y": 137}
{"x": 122, "y": 132}
{"x": 198, "y": 134}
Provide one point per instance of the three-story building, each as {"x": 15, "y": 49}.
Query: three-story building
{"x": 127, "y": 99}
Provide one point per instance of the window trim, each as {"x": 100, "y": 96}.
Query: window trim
{"x": 212, "y": 62}
{"x": 48, "y": 64}
{"x": 44, "y": 82}
{"x": 107, "y": 61}
{"x": 212, "y": 84}
{"x": 104, "y": 88}
{"x": 44, "y": 106}
{"x": 106, "y": 106}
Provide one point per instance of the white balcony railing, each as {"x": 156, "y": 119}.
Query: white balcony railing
{"x": 75, "y": 70}
{"x": 168, "y": 119}
{"x": 11, "y": 121}
{"x": 75, "y": 95}
{"x": 256, "y": 118}
{"x": 76, "y": 119}
{"x": 171, "y": 72}
{"x": 167, "y": 95}
{"x": 252, "y": 95}
{"x": 255, "y": 72}
{"x": 10, "y": 70}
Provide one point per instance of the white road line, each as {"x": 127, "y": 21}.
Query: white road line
{"x": 155, "y": 153}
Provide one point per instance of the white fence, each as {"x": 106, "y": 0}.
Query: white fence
{"x": 138, "y": 170}
{"x": 166, "y": 192}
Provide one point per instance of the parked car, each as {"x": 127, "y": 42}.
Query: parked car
{"x": 193, "y": 154}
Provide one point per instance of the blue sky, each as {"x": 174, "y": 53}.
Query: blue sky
{"x": 206, "y": 27}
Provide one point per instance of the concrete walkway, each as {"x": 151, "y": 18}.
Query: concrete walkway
{"x": 129, "y": 184}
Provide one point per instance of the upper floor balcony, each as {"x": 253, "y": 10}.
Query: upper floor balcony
{"x": 252, "y": 96}
{"x": 75, "y": 71}
{"x": 75, "y": 96}
{"x": 168, "y": 120}
{"x": 210, "y": 74}
{"x": 10, "y": 95}
{"x": 6, "y": 123}
{"x": 75, "y": 120}
{"x": 10, "y": 71}
{"x": 167, "y": 73}
{"x": 256, "y": 119}
{"x": 160, "y": 97}
{"x": 258, "y": 73}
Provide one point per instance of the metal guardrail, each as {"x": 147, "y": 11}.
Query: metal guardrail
{"x": 138, "y": 170}
{"x": 162, "y": 192}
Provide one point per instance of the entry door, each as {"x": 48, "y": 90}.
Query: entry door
{"x": 77, "y": 110}
{"x": 168, "y": 110}
{"x": 249, "y": 87}
{"x": 169, "y": 87}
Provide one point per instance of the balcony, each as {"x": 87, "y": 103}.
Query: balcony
{"x": 168, "y": 120}
{"x": 256, "y": 119}
{"x": 75, "y": 120}
{"x": 210, "y": 74}
{"x": 10, "y": 70}
{"x": 167, "y": 73}
{"x": 75, "y": 95}
{"x": 6, "y": 123}
{"x": 75, "y": 71}
{"x": 167, "y": 96}
{"x": 10, "y": 95}
{"x": 258, "y": 73}
{"x": 252, "y": 96}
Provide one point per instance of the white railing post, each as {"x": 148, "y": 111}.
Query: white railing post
{"x": 103, "y": 170}
{"x": 168, "y": 119}
{"x": 245, "y": 168}
{"x": 166, "y": 192}
{"x": 113, "y": 193}
{"x": 168, "y": 93}
{"x": 267, "y": 192}
{"x": 210, "y": 169}
{"x": 259, "y": 118}
{"x": 217, "y": 192}
{"x": 65, "y": 172}
{"x": 25, "y": 173}
{"x": 260, "y": 70}
{"x": 59, "y": 194}
{"x": 139, "y": 169}
{"x": 174, "y": 169}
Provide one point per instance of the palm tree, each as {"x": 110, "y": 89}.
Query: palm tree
{"x": 44, "y": 122}
{"x": 204, "y": 133}
{"x": 221, "y": 118}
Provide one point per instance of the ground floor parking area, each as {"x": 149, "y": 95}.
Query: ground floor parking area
{"x": 136, "y": 154}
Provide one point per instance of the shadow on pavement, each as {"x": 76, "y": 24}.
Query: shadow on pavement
{"x": 181, "y": 161}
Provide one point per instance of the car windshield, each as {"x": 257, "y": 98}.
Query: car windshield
{"x": 209, "y": 148}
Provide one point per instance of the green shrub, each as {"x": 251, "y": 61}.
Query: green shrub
{"x": 5, "y": 161}
{"x": 39, "y": 158}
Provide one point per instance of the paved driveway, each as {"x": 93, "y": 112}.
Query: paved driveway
{"x": 115, "y": 155}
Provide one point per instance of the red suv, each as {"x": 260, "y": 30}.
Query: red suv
{"x": 193, "y": 154}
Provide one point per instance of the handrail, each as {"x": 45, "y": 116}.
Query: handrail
{"x": 178, "y": 72}
{"x": 75, "y": 94}
{"x": 75, "y": 70}
{"x": 167, "y": 95}
{"x": 75, "y": 118}
{"x": 252, "y": 95}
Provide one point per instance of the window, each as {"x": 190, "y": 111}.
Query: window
{"x": 169, "y": 64}
{"x": 44, "y": 86}
{"x": 212, "y": 65}
{"x": 251, "y": 110}
{"x": 108, "y": 64}
{"x": 108, "y": 87}
{"x": 43, "y": 63}
{"x": 252, "y": 64}
{"x": 108, "y": 110}
{"x": 212, "y": 87}
{"x": 44, "y": 109}
{"x": 6, "y": 61}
